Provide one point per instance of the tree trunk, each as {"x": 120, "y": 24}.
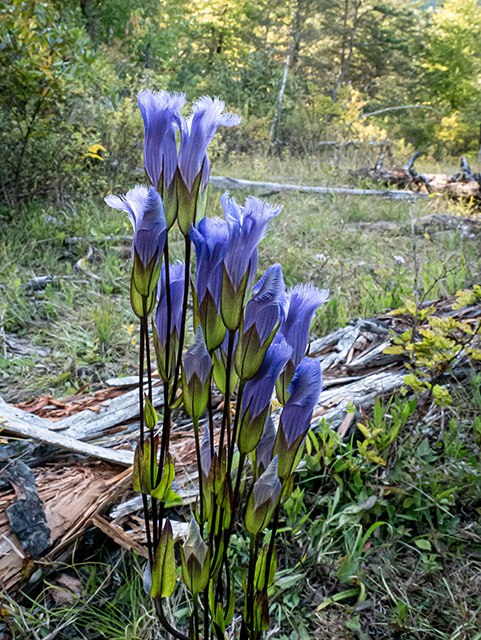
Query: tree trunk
{"x": 346, "y": 59}
{"x": 275, "y": 121}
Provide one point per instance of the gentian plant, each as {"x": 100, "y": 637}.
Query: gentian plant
{"x": 249, "y": 339}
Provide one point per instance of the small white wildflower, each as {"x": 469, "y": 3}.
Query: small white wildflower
{"x": 471, "y": 235}
{"x": 362, "y": 263}
{"x": 321, "y": 256}
{"x": 399, "y": 259}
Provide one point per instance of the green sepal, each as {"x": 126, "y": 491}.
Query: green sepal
{"x": 218, "y": 559}
{"x": 286, "y": 455}
{"x": 163, "y": 571}
{"x": 230, "y": 611}
{"x": 257, "y": 519}
{"x": 283, "y": 382}
{"x": 178, "y": 401}
{"x": 260, "y": 570}
{"x": 150, "y": 414}
{"x": 219, "y": 620}
{"x": 250, "y": 431}
{"x": 219, "y": 372}
{"x": 213, "y": 328}
{"x": 249, "y": 354}
{"x": 218, "y": 472}
{"x": 195, "y": 395}
{"x": 165, "y": 372}
{"x": 169, "y": 197}
{"x": 232, "y": 301}
{"x": 161, "y": 491}
{"x": 261, "y": 611}
{"x": 141, "y": 305}
{"x": 145, "y": 277}
{"x": 173, "y": 500}
{"x": 195, "y": 576}
{"x": 141, "y": 473}
{"x": 190, "y": 203}
{"x": 195, "y": 302}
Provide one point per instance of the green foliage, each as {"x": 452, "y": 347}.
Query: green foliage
{"x": 434, "y": 349}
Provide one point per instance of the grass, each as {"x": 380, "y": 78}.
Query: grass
{"x": 417, "y": 576}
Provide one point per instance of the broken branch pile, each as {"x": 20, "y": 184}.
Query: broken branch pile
{"x": 465, "y": 184}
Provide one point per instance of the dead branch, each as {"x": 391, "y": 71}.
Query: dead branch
{"x": 222, "y": 182}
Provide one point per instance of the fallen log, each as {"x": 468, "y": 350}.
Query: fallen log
{"x": 11, "y": 424}
{"x": 221, "y": 182}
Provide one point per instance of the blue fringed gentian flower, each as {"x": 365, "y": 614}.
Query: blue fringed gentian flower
{"x": 196, "y": 370}
{"x": 146, "y": 212}
{"x": 247, "y": 227}
{"x": 210, "y": 239}
{"x": 303, "y": 300}
{"x": 176, "y": 280}
{"x": 257, "y": 395}
{"x": 296, "y": 415}
{"x": 263, "y": 313}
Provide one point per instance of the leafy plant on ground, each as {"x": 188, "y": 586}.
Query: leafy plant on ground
{"x": 433, "y": 351}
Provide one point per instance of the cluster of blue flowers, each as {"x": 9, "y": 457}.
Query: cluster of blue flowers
{"x": 253, "y": 335}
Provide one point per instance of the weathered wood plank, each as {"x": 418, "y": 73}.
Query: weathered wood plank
{"x": 14, "y": 425}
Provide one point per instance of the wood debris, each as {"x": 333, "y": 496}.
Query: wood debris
{"x": 78, "y": 491}
{"x": 465, "y": 184}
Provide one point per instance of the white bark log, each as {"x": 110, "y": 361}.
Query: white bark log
{"x": 222, "y": 182}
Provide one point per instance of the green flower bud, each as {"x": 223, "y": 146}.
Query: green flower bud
{"x": 195, "y": 560}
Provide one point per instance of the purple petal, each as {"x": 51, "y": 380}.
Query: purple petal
{"x": 210, "y": 239}
{"x": 304, "y": 390}
{"x": 176, "y": 277}
{"x": 197, "y": 359}
{"x": 258, "y": 391}
{"x": 247, "y": 226}
{"x": 161, "y": 115}
{"x": 149, "y": 236}
{"x": 197, "y": 133}
{"x": 266, "y": 307}
{"x": 303, "y": 301}
{"x": 132, "y": 203}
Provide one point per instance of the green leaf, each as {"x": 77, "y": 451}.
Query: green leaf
{"x": 163, "y": 571}
{"x": 423, "y": 544}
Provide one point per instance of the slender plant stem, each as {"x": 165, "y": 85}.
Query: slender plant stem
{"x": 206, "y": 613}
{"x": 166, "y": 422}
{"x": 141, "y": 386}
{"x": 196, "y": 617}
{"x": 249, "y": 621}
{"x": 145, "y": 503}
{"x": 153, "y": 461}
{"x": 166, "y": 624}
{"x": 226, "y": 415}
{"x": 270, "y": 551}
{"x": 199, "y": 470}
{"x": 211, "y": 420}
{"x": 184, "y": 316}
{"x": 236, "y": 426}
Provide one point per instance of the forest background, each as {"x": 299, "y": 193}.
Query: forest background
{"x": 70, "y": 71}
